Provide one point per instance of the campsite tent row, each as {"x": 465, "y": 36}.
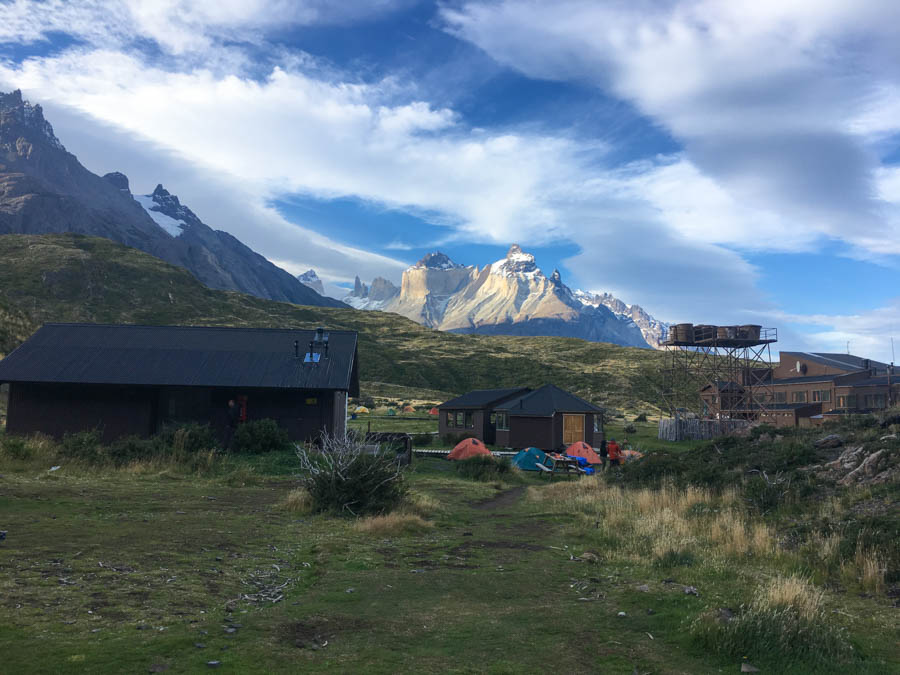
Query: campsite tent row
{"x": 527, "y": 459}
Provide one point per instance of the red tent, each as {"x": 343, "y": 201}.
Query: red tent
{"x": 468, "y": 448}
{"x": 582, "y": 449}
{"x": 434, "y": 411}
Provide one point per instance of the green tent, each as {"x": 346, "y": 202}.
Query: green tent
{"x": 391, "y": 411}
{"x": 526, "y": 459}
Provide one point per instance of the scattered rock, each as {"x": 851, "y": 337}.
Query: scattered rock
{"x": 350, "y": 590}
{"x": 416, "y": 571}
{"x": 230, "y": 630}
{"x": 829, "y": 441}
{"x": 621, "y": 615}
{"x": 213, "y": 664}
{"x": 158, "y": 668}
{"x": 199, "y": 645}
{"x": 467, "y": 534}
{"x": 748, "y": 668}
{"x": 590, "y": 557}
{"x": 889, "y": 437}
{"x": 644, "y": 588}
{"x": 725, "y": 615}
{"x": 650, "y": 612}
{"x": 691, "y": 590}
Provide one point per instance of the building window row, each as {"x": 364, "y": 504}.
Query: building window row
{"x": 460, "y": 420}
{"x": 822, "y": 396}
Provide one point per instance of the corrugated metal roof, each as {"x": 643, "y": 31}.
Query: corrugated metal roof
{"x": 846, "y": 361}
{"x": 808, "y": 379}
{"x": 181, "y": 356}
{"x": 482, "y": 398}
{"x": 545, "y": 402}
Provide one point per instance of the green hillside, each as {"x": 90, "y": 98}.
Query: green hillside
{"x": 76, "y": 278}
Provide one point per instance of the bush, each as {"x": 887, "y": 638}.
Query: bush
{"x": 630, "y": 429}
{"x": 84, "y": 445}
{"x": 260, "y": 436}
{"x": 345, "y": 480}
{"x": 15, "y": 447}
{"x": 422, "y": 439}
{"x": 641, "y": 418}
{"x": 188, "y": 438}
{"x": 451, "y": 438}
{"x": 131, "y": 448}
{"x": 673, "y": 558}
{"x": 484, "y": 467}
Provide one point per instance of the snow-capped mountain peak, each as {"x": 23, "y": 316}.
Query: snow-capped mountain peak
{"x": 311, "y": 279}
{"x": 14, "y": 109}
{"x": 517, "y": 263}
{"x": 172, "y": 226}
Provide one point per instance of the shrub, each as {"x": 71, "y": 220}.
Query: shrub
{"x": 484, "y": 467}
{"x": 674, "y": 558}
{"x": 188, "y": 438}
{"x": 298, "y": 501}
{"x": 260, "y": 436}
{"x": 451, "y": 438}
{"x": 422, "y": 439}
{"x": 641, "y": 418}
{"x": 392, "y": 524}
{"x": 15, "y": 447}
{"x": 84, "y": 445}
{"x": 343, "y": 479}
{"x": 130, "y": 449}
{"x": 630, "y": 429}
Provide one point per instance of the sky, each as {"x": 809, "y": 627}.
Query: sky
{"x": 714, "y": 162}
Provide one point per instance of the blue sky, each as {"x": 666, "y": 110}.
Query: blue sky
{"x": 709, "y": 161}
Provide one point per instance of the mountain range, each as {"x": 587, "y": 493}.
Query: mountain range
{"x": 511, "y": 296}
{"x": 45, "y": 189}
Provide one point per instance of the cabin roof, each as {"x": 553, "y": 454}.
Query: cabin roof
{"x": 189, "y": 356}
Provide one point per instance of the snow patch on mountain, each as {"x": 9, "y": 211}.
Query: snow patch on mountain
{"x": 173, "y": 227}
{"x": 517, "y": 263}
{"x": 310, "y": 279}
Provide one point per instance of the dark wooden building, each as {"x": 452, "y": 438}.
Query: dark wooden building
{"x": 547, "y": 418}
{"x": 472, "y": 414}
{"x": 132, "y": 380}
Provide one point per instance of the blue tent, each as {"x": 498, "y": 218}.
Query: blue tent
{"x": 526, "y": 459}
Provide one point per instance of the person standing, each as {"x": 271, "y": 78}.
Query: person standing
{"x": 604, "y": 453}
{"x": 614, "y": 451}
{"x": 233, "y": 417}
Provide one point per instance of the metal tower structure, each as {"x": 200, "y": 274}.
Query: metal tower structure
{"x": 719, "y": 372}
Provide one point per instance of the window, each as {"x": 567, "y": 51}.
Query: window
{"x": 780, "y": 397}
{"x": 598, "y": 423}
{"x": 874, "y": 401}
{"x": 798, "y": 397}
{"x": 461, "y": 420}
{"x": 450, "y": 418}
{"x": 493, "y": 419}
{"x": 470, "y": 422}
{"x": 851, "y": 401}
{"x": 846, "y": 401}
{"x": 502, "y": 422}
{"x": 822, "y": 396}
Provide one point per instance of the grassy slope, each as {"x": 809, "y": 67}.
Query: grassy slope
{"x": 75, "y": 278}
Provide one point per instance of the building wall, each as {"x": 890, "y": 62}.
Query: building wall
{"x": 477, "y": 429}
{"x": 56, "y": 410}
{"x": 118, "y": 411}
{"x": 787, "y": 367}
{"x": 538, "y": 432}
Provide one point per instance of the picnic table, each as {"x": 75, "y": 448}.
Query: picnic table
{"x": 561, "y": 464}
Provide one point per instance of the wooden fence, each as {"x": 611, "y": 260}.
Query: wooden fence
{"x": 676, "y": 429}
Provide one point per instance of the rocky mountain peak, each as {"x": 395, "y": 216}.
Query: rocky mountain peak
{"x": 21, "y": 119}
{"x": 517, "y": 262}
{"x": 437, "y": 261}
{"x": 119, "y": 180}
{"x": 310, "y": 279}
{"x": 556, "y": 278}
{"x": 167, "y": 203}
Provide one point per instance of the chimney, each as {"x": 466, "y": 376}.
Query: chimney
{"x": 296, "y": 349}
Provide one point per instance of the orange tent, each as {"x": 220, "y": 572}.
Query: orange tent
{"x": 631, "y": 455}
{"x": 434, "y": 411}
{"x": 468, "y": 448}
{"x": 408, "y": 409}
{"x": 582, "y": 449}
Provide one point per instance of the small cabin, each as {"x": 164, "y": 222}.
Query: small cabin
{"x": 548, "y": 418}
{"x": 133, "y": 380}
{"x": 473, "y": 414}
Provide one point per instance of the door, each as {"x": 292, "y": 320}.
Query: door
{"x": 573, "y": 429}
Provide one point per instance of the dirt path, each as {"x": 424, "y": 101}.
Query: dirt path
{"x": 502, "y": 500}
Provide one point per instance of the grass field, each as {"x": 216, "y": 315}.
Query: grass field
{"x": 152, "y": 568}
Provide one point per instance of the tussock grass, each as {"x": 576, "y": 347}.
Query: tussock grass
{"x": 785, "y": 622}
{"x": 866, "y": 568}
{"x": 392, "y": 524}
{"x": 298, "y": 501}
{"x": 421, "y": 504}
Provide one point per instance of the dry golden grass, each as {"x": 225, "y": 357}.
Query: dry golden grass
{"x": 793, "y": 592}
{"x": 421, "y": 504}
{"x": 297, "y": 501}
{"x": 870, "y": 569}
{"x": 392, "y": 524}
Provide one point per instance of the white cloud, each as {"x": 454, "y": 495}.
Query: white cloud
{"x": 775, "y": 102}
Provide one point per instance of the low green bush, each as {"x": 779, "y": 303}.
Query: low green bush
{"x": 15, "y": 447}
{"x": 673, "y": 558}
{"x": 641, "y": 418}
{"x": 422, "y": 439}
{"x": 484, "y": 467}
{"x": 354, "y": 485}
{"x": 83, "y": 445}
{"x": 260, "y": 436}
{"x": 188, "y": 438}
{"x": 630, "y": 429}
{"x": 132, "y": 448}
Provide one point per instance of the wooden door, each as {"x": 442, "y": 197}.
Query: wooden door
{"x": 573, "y": 429}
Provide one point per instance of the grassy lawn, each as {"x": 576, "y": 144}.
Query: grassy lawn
{"x": 406, "y": 424}
{"x": 148, "y": 569}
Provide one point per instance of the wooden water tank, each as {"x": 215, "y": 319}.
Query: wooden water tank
{"x": 684, "y": 332}
{"x": 750, "y": 332}
{"x": 726, "y": 332}
{"x": 704, "y": 332}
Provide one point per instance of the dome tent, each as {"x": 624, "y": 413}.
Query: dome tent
{"x": 408, "y": 409}
{"x": 434, "y": 411}
{"x": 582, "y": 449}
{"x": 361, "y": 409}
{"x": 527, "y": 459}
{"x": 391, "y": 412}
{"x": 469, "y": 448}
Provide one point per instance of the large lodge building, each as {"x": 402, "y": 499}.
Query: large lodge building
{"x": 807, "y": 388}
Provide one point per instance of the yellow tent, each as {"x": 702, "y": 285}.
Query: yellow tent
{"x": 361, "y": 409}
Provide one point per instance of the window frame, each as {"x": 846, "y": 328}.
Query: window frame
{"x": 798, "y": 396}
{"x": 502, "y": 421}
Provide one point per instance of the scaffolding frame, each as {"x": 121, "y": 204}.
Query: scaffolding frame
{"x": 733, "y": 364}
